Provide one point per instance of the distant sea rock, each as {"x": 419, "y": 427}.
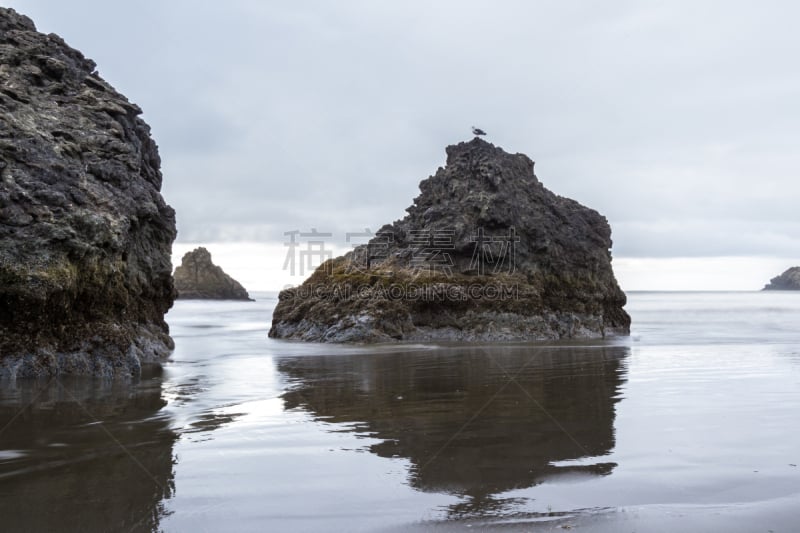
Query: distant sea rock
{"x": 788, "y": 281}
{"x": 199, "y": 278}
{"x": 485, "y": 253}
{"x": 85, "y": 235}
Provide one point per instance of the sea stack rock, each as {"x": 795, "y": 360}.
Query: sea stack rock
{"x": 788, "y": 281}
{"x": 485, "y": 253}
{"x": 85, "y": 236}
{"x": 198, "y": 278}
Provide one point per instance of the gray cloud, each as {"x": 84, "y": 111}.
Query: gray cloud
{"x": 678, "y": 120}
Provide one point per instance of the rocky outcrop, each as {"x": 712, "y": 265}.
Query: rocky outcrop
{"x": 85, "y": 236}
{"x": 485, "y": 253}
{"x": 199, "y": 278}
{"x": 788, "y": 281}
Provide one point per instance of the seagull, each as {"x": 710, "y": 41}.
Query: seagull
{"x": 478, "y": 131}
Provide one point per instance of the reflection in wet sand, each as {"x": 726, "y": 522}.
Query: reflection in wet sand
{"x": 91, "y": 456}
{"x": 473, "y": 421}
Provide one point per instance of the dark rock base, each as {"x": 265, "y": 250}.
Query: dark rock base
{"x": 473, "y": 327}
{"x": 124, "y": 358}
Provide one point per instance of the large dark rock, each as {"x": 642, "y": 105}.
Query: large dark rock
{"x": 199, "y": 278}
{"x": 85, "y": 236}
{"x": 485, "y": 253}
{"x": 788, "y": 281}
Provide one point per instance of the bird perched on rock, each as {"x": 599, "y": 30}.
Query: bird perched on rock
{"x": 478, "y": 131}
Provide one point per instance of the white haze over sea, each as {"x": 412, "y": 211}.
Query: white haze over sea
{"x": 259, "y": 267}
{"x": 676, "y": 120}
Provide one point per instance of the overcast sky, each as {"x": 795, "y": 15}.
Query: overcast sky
{"x": 677, "y": 120}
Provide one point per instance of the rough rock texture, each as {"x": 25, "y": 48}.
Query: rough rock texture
{"x": 85, "y": 236}
{"x": 485, "y": 253}
{"x": 788, "y": 281}
{"x": 199, "y": 278}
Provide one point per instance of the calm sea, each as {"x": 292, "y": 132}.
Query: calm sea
{"x": 691, "y": 424}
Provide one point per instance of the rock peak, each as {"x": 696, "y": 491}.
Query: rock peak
{"x": 199, "y": 255}
{"x": 481, "y": 185}
{"x": 484, "y": 166}
{"x": 11, "y": 20}
{"x": 477, "y": 148}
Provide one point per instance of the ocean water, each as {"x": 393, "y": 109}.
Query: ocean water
{"x": 690, "y": 424}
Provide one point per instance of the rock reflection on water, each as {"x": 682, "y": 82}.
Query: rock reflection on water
{"x": 473, "y": 421}
{"x": 84, "y": 455}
